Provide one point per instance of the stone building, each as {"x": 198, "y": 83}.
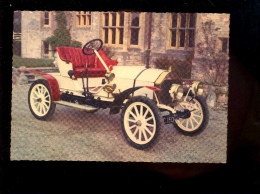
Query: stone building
{"x": 136, "y": 38}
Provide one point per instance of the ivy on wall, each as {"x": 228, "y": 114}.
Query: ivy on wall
{"x": 61, "y": 35}
{"x": 215, "y": 61}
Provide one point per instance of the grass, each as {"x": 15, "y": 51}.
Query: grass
{"x": 31, "y": 62}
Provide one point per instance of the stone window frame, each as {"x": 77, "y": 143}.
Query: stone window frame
{"x": 183, "y": 31}
{"x": 83, "y": 19}
{"x": 48, "y": 18}
{"x": 121, "y": 29}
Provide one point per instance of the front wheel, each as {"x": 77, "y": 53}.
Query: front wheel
{"x": 40, "y": 100}
{"x": 141, "y": 121}
{"x": 198, "y": 118}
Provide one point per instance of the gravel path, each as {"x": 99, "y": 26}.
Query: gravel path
{"x": 74, "y": 135}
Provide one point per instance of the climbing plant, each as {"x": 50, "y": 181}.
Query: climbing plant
{"x": 214, "y": 60}
{"x": 61, "y": 35}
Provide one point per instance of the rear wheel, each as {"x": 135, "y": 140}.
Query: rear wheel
{"x": 141, "y": 121}
{"x": 40, "y": 100}
{"x": 198, "y": 119}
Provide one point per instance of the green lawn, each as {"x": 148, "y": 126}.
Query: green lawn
{"x": 31, "y": 62}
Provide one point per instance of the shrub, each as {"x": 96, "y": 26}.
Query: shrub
{"x": 75, "y": 43}
{"x": 31, "y": 62}
{"x": 180, "y": 68}
{"x": 60, "y": 38}
{"x": 109, "y": 51}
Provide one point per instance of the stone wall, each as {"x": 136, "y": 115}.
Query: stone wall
{"x": 33, "y": 31}
{"x": 221, "y": 95}
{"x": 221, "y": 23}
{"x": 84, "y": 34}
{"x": 31, "y": 46}
{"x": 159, "y": 32}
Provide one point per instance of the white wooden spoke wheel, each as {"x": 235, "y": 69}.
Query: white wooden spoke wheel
{"x": 198, "y": 118}
{"x": 40, "y": 101}
{"x": 141, "y": 122}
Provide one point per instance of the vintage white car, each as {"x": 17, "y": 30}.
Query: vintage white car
{"x": 90, "y": 81}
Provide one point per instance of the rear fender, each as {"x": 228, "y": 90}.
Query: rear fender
{"x": 54, "y": 86}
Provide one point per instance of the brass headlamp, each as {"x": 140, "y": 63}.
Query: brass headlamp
{"x": 197, "y": 88}
{"x": 176, "y": 91}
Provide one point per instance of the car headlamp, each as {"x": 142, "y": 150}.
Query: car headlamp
{"x": 197, "y": 87}
{"x": 176, "y": 91}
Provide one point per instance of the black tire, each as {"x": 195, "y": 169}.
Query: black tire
{"x": 200, "y": 116}
{"x": 140, "y": 132}
{"x": 40, "y": 100}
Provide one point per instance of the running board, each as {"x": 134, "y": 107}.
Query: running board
{"x": 78, "y": 106}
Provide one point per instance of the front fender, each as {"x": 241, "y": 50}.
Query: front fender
{"x": 119, "y": 99}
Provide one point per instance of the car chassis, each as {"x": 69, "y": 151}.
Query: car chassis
{"x": 90, "y": 81}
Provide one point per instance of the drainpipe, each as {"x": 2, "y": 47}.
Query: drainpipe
{"x": 148, "y": 51}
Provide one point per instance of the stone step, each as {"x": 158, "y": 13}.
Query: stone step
{"x": 31, "y": 76}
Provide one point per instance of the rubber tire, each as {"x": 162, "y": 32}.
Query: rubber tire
{"x": 204, "y": 123}
{"x": 51, "y": 110}
{"x": 158, "y": 120}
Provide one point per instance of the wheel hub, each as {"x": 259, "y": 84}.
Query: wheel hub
{"x": 184, "y": 115}
{"x": 138, "y": 123}
{"x": 187, "y": 114}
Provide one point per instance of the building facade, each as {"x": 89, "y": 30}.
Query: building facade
{"x": 137, "y": 38}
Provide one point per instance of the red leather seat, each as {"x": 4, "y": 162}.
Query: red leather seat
{"x": 80, "y": 61}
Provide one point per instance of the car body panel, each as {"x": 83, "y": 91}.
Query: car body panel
{"x": 133, "y": 76}
{"x": 137, "y": 72}
{"x": 150, "y": 75}
{"x": 127, "y": 72}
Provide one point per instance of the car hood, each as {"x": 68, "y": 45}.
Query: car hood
{"x": 138, "y": 73}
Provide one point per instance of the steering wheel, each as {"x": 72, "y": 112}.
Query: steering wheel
{"x": 90, "y": 46}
